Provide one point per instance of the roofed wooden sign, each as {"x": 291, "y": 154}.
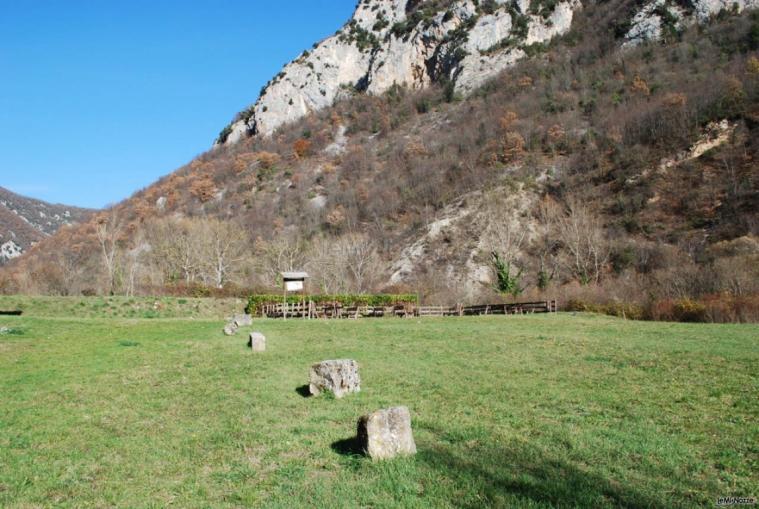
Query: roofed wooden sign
{"x": 294, "y": 281}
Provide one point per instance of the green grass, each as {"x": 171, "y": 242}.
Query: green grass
{"x": 121, "y": 307}
{"x": 530, "y": 411}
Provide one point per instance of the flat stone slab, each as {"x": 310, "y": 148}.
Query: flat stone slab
{"x": 386, "y": 433}
{"x": 337, "y": 376}
{"x": 242, "y": 320}
{"x": 257, "y": 342}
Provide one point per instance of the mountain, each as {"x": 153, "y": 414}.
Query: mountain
{"x": 26, "y": 221}
{"x": 461, "y": 44}
{"x": 615, "y": 161}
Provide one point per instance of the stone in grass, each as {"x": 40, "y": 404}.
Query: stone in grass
{"x": 242, "y": 320}
{"x": 337, "y": 376}
{"x": 230, "y": 329}
{"x": 257, "y": 342}
{"x": 386, "y": 433}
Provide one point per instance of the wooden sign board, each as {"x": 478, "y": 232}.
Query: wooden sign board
{"x": 293, "y": 286}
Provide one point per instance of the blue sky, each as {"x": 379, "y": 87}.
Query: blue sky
{"x": 99, "y": 98}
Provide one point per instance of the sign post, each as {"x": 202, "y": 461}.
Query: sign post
{"x": 291, "y": 282}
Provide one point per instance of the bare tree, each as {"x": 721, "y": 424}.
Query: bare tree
{"x": 545, "y": 246}
{"x": 323, "y": 267}
{"x": 108, "y": 230}
{"x": 357, "y": 254}
{"x": 280, "y": 254}
{"x": 174, "y": 248}
{"x": 504, "y": 233}
{"x": 223, "y": 247}
{"x": 584, "y": 239}
{"x": 349, "y": 263}
{"x": 133, "y": 263}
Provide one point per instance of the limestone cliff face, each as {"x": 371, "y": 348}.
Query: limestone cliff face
{"x": 404, "y": 42}
{"x": 656, "y": 17}
{"x": 417, "y": 42}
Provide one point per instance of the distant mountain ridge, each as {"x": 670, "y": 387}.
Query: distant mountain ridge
{"x": 25, "y": 221}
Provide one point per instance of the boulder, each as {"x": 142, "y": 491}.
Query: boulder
{"x": 386, "y": 433}
{"x": 230, "y": 329}
{"x": 337, "y": 376}
{"x": 257, "y": 342}
{"x": 242, "y": 320}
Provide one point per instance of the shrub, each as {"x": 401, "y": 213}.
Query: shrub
{"x": 302, "y": 147}
{"x": 630, "y": 311}
{"x": 687, "y": 310}
{"x": 256, "y": 301}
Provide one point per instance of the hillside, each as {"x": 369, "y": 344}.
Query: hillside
{"x": 26, "y": 221}
{"x": 615, "y": 162}
{"x": 456, "y": 44}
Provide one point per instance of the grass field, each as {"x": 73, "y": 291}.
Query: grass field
{"x": 122, "y": 307}
{"x": 530, "y": 411}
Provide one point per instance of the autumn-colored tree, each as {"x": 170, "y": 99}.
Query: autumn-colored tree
{"x": 203, "y": 188}
{"x": 640, "y": 86}
{"x": 752, "y": 65}
{"x": 675, "y": 100}
{"x": 507, "y": 120}
{"x": 524, "y": 82}
{"x": 301, "y": 147}
{"x": 336, "y": 218}
{"x": 267, "y": 159}
{"x": 243, "y": 162}
{"x": 513, "y": 146}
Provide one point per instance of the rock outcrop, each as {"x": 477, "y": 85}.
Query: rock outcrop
{"x": 654, "y": 19}
{"x": 404, "y": 42}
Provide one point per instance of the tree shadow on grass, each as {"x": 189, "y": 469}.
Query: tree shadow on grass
{"x": 504, "y": 472}
{"x": 304, "y": 391}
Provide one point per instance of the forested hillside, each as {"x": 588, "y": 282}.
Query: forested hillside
{"x": 600, "y": 171}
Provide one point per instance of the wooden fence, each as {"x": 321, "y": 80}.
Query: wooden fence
{"x": 308, "y": 310}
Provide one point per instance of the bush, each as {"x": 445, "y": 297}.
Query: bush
{"x": 376, "y": 300}
{"x": 630, "y": 311}
{"x": 687, "y": 310}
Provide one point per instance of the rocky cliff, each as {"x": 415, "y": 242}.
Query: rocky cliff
{"x": 405, "y": 42}
{"x": 659, "y": 18}
{"x": 459, "y": 43}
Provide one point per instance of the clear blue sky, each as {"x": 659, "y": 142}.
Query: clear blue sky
{"x": 99, "y": 98}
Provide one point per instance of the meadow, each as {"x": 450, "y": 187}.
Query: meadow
{"x": 565, "y": 410}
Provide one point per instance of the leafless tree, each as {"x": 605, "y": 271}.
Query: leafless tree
{"x": 504, "y": 235}
{"x": 323, "y": 267}
{"x": 133, "y": 263}
{"x": 223, "y": 247}
{"x": 108, "y": 230}
{"x": 349, "y": 263}
{"x": 174, "y": 249}
{"x": 357, "y": 254}
{"x": 277, "y": 255}
{"x": 584, "y": 239}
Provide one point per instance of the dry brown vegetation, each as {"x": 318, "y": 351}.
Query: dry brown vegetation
{"x": 600, "y": 136}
